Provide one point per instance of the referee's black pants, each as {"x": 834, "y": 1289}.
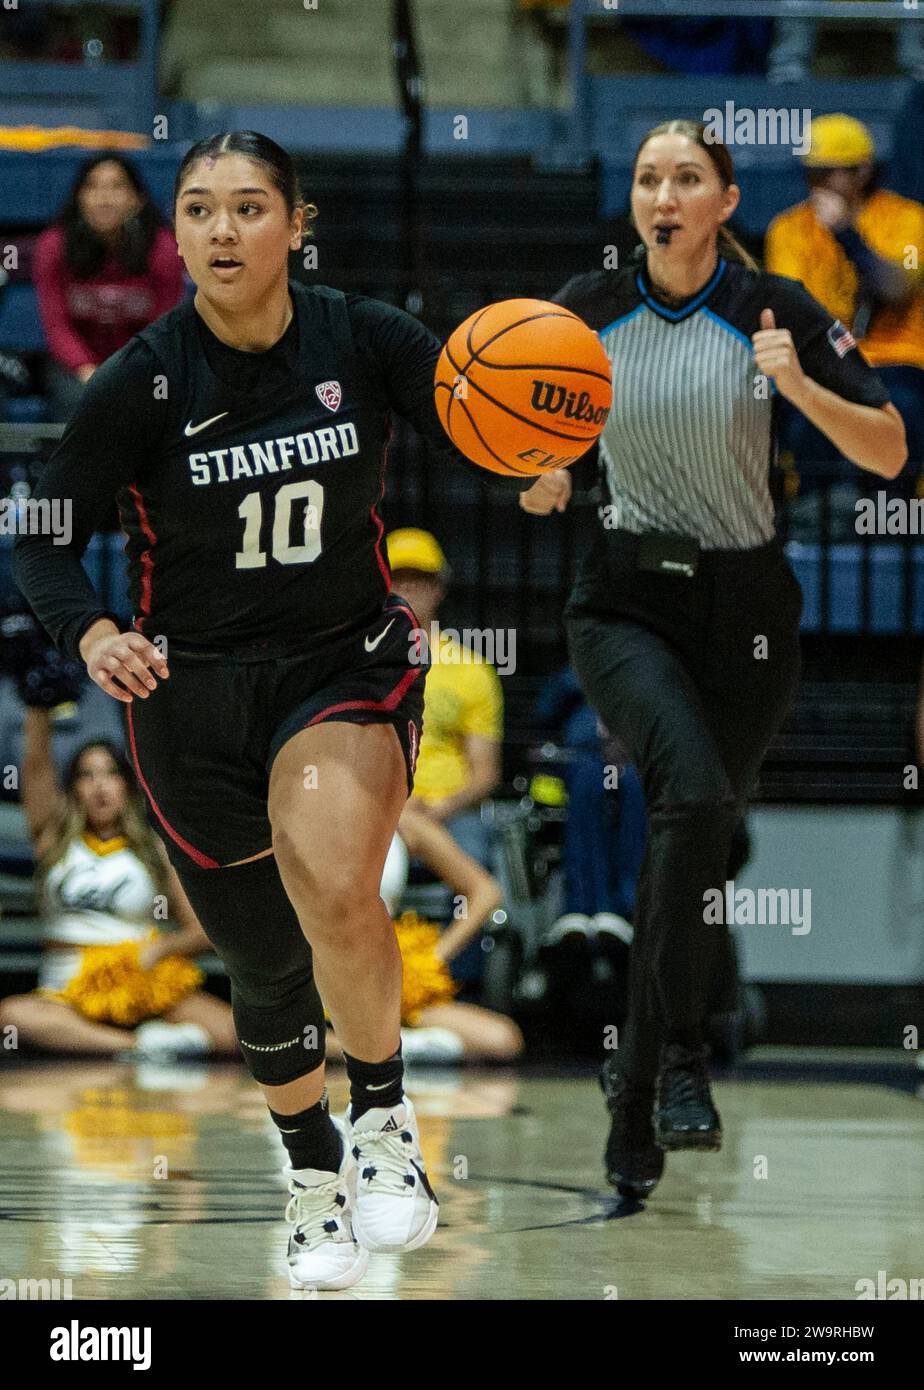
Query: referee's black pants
{"x": 693, "y": 677}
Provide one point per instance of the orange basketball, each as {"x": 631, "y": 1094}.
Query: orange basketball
{"x": 523, "y": 387}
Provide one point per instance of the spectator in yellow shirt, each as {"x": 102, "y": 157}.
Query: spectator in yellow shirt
{"x": 859, "y": 250}
{"x": 459, "y": 763}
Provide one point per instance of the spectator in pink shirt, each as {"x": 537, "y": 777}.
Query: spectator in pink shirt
{"x": 106, "y": 268}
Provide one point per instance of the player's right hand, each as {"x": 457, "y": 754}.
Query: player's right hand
{"x": 549, "y": 493}
{"x": 129, "y": 657}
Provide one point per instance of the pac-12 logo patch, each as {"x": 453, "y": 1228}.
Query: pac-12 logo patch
{"x": 329, "y": 394}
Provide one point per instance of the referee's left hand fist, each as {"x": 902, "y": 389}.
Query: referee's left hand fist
{"x": 776, "y": 356}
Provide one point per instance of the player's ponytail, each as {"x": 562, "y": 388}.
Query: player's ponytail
{"x": 729, "y": 245}
{"x": 278, "y": 163}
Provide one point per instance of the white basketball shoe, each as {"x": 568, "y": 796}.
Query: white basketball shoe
{"x": 323, "y": 1250}
{"x": 395, "y": 1207}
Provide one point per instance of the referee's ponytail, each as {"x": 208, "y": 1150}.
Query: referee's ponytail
{"x": 278, "y": 163}
{"x": 729, "y": 245}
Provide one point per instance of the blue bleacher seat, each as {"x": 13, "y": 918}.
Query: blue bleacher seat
{"x": 845, "y": 563}
{"x": 20, "y": 325}
{"x": 25, "y": 410}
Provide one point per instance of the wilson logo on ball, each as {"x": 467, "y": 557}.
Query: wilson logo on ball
{"x": 523, "y": 387}
{"x": 555, "y": 399}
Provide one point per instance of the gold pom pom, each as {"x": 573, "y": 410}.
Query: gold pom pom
{"x": 427, "y": 980}
{"x": 112, "y": 987}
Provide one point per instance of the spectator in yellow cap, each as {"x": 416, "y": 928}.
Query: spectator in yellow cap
{"x": 859, "y": 250}
{"x": 459, "y": 763}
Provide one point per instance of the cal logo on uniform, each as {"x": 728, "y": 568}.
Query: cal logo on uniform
{"x": 329, "y": 394}
{"x": 841, "y": 338}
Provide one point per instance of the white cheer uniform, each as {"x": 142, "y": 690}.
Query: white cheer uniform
{"x": 99, "y": 893}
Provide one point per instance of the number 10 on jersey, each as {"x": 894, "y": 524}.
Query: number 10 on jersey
{"x": 251, "y": 557}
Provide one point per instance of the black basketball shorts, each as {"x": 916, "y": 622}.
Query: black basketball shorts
{"x": 204, "y": 741}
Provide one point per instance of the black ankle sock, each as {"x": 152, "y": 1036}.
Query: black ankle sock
{"x": 375, "y": 1085}
{"x": 311, "y": 1138}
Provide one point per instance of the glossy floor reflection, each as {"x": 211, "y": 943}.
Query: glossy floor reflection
{"x": 134, "y": 1181}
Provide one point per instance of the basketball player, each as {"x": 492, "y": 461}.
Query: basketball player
{"x": 273, "y": 687}
{"x": 683, "y": 625}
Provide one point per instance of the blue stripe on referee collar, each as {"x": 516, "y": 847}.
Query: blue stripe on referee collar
{"x": 675, "y": 315}
{"x": 624, "y": 318}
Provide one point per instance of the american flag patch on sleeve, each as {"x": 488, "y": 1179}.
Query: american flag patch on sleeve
{"x": 841, "y": 338}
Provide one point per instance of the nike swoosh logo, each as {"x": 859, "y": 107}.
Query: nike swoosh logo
{"x": 194, "y": 429}
{"x": 379, "y": 1088}
{"x": 371, "y": 646}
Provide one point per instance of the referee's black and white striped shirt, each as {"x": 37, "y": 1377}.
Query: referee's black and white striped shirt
{"x": 691, "y": 435}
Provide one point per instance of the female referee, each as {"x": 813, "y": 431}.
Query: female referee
{"x": 683, "y": 623}
{"x": 243, "y": 435}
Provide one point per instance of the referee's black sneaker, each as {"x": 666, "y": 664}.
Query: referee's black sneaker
{"x": 634, "y": 1162}
{"x": 686, "y": 1117}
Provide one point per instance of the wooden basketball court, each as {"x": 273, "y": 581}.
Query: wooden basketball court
{"x": 146, "y": 1182}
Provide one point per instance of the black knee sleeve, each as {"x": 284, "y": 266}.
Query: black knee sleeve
{"x": 247, "y": 916}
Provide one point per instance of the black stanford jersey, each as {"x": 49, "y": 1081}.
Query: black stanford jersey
{"x": 690, "y": 438}
{"x": 248, "y": 484}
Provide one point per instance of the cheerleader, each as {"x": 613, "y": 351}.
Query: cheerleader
{"x": 111, "y": 981}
